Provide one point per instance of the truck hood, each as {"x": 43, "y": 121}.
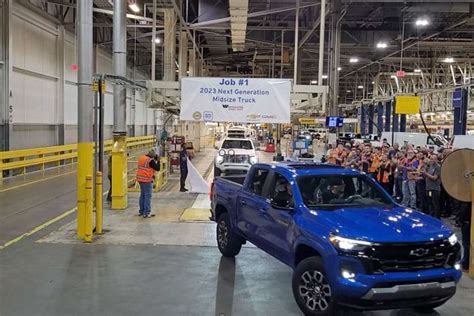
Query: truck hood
{"x": 395, "y": 225}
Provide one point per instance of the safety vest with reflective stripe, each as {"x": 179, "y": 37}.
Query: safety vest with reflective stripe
{"x": 145, "y": 172}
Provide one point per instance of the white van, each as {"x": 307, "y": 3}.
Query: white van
{"x": 416, "y": 139}
{"x": 462, "y": 141}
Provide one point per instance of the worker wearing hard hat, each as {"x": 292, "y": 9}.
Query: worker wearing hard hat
{"x": 147, "y": 165}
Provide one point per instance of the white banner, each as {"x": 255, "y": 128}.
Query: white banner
{"x": 197, "y": 184}
{"x": 235, "y": 100}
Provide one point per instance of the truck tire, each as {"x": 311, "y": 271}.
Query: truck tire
{"x": 311, "y": 289}
{"x": 217, "y": 172}
{"x": 229, "y": 243}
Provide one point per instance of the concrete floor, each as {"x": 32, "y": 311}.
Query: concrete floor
{"x": 145, "y": 274}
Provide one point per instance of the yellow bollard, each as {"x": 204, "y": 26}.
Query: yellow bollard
{"x": 84, "y": 168}
{"x": 119, "y": 173}
{"x": 98, "y": 203}
{"x": 89, "y": 205}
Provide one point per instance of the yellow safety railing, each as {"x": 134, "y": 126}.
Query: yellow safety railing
{"x": 161, "y": 177}
{"x": 34, "y": 159}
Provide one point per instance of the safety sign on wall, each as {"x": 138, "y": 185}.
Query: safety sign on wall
{"x": 243, "y": 100}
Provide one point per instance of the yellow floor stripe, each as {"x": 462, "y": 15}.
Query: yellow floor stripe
{"x": 196, "y": 214}
{"x": 38, "y": 228}
{"x": 36, "y": 181}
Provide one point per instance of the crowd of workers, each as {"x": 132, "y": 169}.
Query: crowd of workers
{"x": 411, "y": 175}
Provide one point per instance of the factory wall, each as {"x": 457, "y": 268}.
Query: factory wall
{"x": 44, "y": 88}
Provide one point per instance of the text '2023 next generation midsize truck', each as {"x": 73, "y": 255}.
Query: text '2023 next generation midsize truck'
{"x": 346, "y": 239}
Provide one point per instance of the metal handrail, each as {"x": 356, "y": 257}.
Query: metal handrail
{"x": 56, "y": 155}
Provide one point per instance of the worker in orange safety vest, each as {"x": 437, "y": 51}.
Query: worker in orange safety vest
{"x": 147, "y": 165}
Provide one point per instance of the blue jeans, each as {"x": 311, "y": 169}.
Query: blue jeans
{"x": 145, "y": 197}
{"x": 409, "y": 193}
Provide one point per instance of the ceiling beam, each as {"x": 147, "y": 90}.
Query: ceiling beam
{"x": 462, "y": 22}
{"x": 251, "y": 15}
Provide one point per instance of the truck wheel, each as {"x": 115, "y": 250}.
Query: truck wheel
{"x": 311, "y": 289}
{"x": 428, "y": 308}
{"x": 217, "y": 172}
{"x": 229, "y": 243}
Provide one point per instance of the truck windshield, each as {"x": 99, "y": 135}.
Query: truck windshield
{"x": 334, "y": 192}
{"x": 237, "y": 144}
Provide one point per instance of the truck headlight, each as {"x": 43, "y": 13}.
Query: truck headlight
{"x": 345, "y": 244}
{"x": 219, "y": 160}
{"x": 453, "y": 239}
{"x": 253, "y": 160}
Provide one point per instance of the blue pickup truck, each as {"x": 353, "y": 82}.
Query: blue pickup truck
{"x": 348, "y": 242}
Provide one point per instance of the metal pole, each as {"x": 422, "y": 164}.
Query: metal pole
{"x": 297, "y": 22}
{"x": 321, "y": 50}
{"x": 101, "y": 124}
{"x": 273, "y": 63}
{"x": 153, "y": 44}
{"x": 85, "y": 113}
{"x": 282, "y": 52}
{"x": 120, "y": 64}
{"x": 119, "y": 150}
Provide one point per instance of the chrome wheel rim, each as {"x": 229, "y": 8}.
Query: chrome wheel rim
{"x": 315, "y": 291}
{"x": 222, "y": 234}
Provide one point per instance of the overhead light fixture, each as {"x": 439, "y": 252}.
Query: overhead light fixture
{"x": 339, "y": 68}
{"x": 393, "y": 77}
{"x": 422, "y": 22}
{"x": 360, "y": 87}
{"x": 157, "y": 40}
{"x": 448, "y": 60}
{"x": 324, "y": 76}
{"x": 349, "y": 91}
{"x": 382, "y": 45}
{"x": 314, "y": 81}
{"x": 354, "y": 60}
{"x": 439, "y": 84}
{"x": 373, "y": 82}
{"x": 417, "y": 70}
{"x": 134, "y": 7}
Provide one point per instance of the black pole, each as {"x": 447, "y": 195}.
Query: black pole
{"x": 394, "y": 104}
{"x": 101, "y": 126}
{"x": 95, "y": 130}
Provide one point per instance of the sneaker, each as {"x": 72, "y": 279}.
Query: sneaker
{"x": 183, "y": 190}
{"x": 148, "y": 215}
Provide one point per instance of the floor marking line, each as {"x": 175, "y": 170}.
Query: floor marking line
{"x": 36, "y": 181}
{"x": 38, "y": 228}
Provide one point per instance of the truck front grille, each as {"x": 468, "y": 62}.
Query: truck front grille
{"x": 236, "y": 159}
{"x": 399, "y": 257}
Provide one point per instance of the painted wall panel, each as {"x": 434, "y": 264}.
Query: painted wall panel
{"x": 70, "y": 104}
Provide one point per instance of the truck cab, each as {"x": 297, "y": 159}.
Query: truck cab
{"x": 348, "y": 242}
